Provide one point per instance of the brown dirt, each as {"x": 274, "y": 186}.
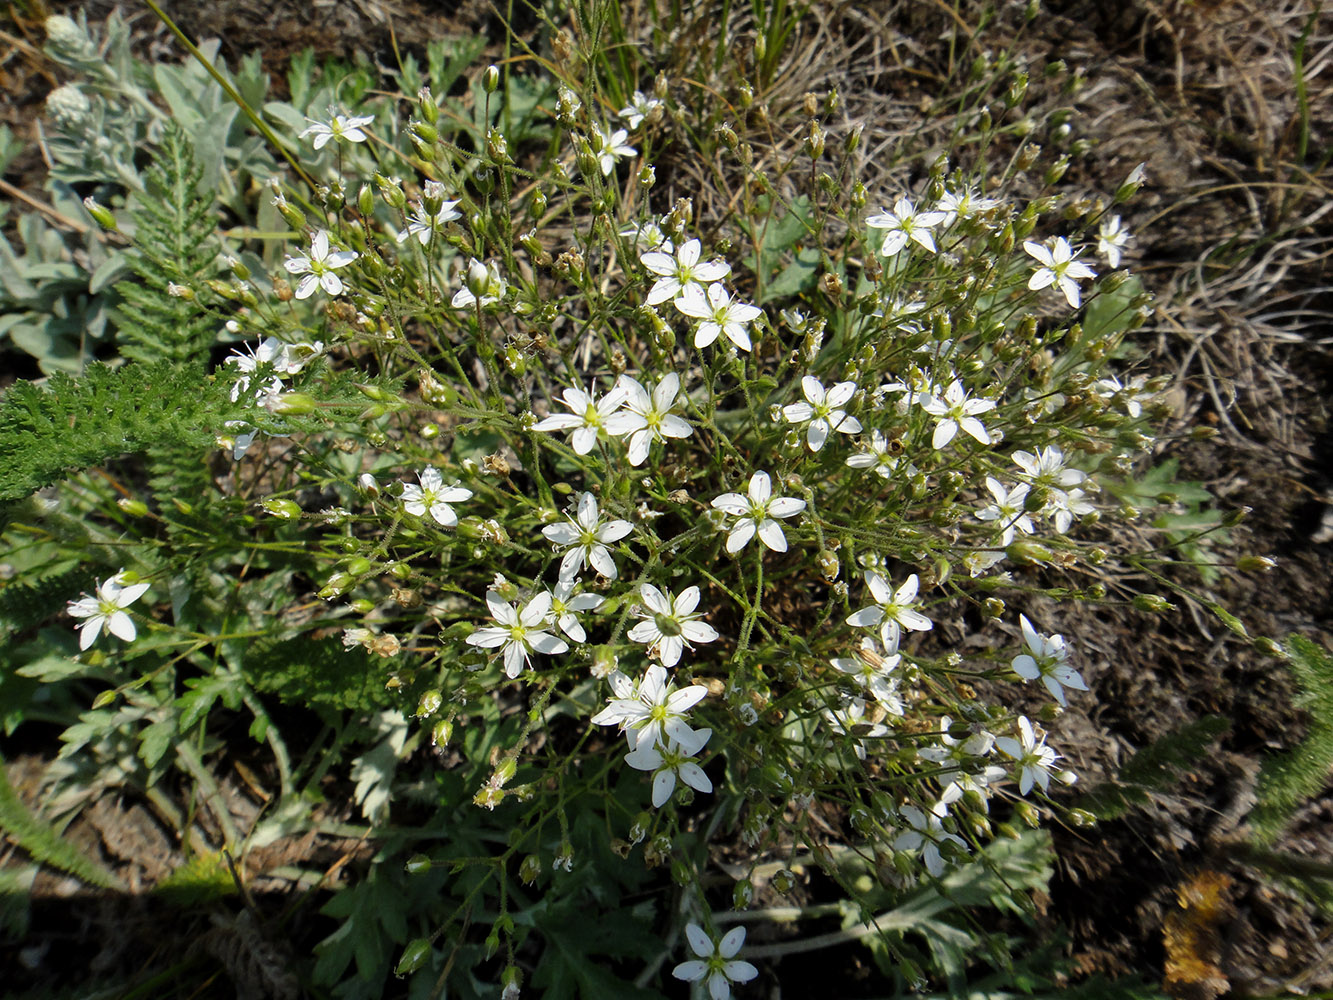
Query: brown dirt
{"x": 1203, "y": 93}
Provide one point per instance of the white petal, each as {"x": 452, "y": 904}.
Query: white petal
{"x": 785, "y": 507}
{"x": 700, "y": 943}
{"x": 731, "y": 942}
{"x": 545, "y": 642}
{"x": 740, "y": 535}
{"x": 770, "y": 533}
{"x": 664, "y": 783}
{"x": 732, "y": 503}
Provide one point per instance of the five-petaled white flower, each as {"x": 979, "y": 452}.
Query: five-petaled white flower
{"x": 423, "y": 225}
{"x": 878, "y": 456}
{"x": 872, "y": 669}
{"x": 610, "y": 146}
{"x": 586, "y": 536}
{"x": 589, "y": 415}
{"x": 1034, "y": 757}
{"x": 716, "y": 964}
{"x": 639, "y": 107}
{"x": 653, "y": 712}
{"x": 670, "y": 623}
{"x": 1112, "y": 238}
{"x": 1047, "y": 658}
{"x": 669, "y": 761}
{"x": 519, "y": 631}
{"x": 319, "y": 266}
{"x": 337, "y": 127}
{"x": 647, "y": 418}
{"x": 850, "y": 720}
{"x": 718, "y": 315}
{"x": 681, "y": 271}
{"x": 1059, "y": 265}
{"x": 433, "y": 497}
{"x": 107, "y": 608}
{"x": 926, "y": 833}
{"x": 961, "y": 204}
{"x": 565, "y": 605}
{"x": 956, "y": 411}
{"x": 902, "y": 223}
{"x": 1008, "y": 509}
{"x": 755, "y": 514}
{"x": 891, "y": 611}
{"x": 823, "y": 409}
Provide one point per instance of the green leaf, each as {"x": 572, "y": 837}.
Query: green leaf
{"x": 201, "y": 880}
{"x": 43, "y": 843}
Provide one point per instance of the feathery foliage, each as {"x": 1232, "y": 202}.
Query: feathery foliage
{"x": 173, "y": 246}
{"x": 1288, "y": 779}
{"x": 72, "y": 424}
{"x": 1154, "y": 768}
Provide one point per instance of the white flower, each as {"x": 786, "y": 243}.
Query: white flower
{"x": 565, "y": 605}
{"x": 107, "y": 608}
{"x": 1047, "y": 468}
{"x": 956, "y": 411}
{"x": 587, "y": 538}
{"x": 668, "y": 762}
{"x": 1007, "y": 509}
{"x": 609, "y": 147}
{"x": 1035, "y": 758}
{"x": 824, "y": 411}
{"x": 1065, "y": 506}
{"x": 719, "y": 315}
{"x": 338, "y": 127}
{"x": 680, "y": 272}
{"x": 318, "y": 268}
{"x": 423, "y": 225}
{"x": 1046, "y": 658}
{"x": 927, "y": 833}
{"x": 483, "y": 282}
{"x": 1060, "y": 266}
{"x": 639, "y": 108}
{"x": 891, "y": 611}
{"x": 962, "y": 204}
{"x": 850, "y": 720}
{"x": 877, "y": 457}
{"x": 670, "y": 623}
{"x": 652, "y": 712}
{"x": 958, "y": 759}
{"x": 588, "y": 416}
{"x": 433, "y": 497}
{"x": 647, "y": 418}
{"x": 520, "y": 631}
{"x": 904, "y": 222}
{"x": 756, "y": 512}
{"x": 716, "y": 964}
{"x": 872, "y": 670}
{"x": 1112, "y": 238}
{"x": 1113, "y": 389}
{"x": 647, "y": 236}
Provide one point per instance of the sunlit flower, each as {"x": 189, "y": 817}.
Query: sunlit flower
{"x": 639, "y": 108}
{"x": 610, "y": 146}
{"x": 878, "y": 456}
{"x": 520, "y": 632}
{"x": 424, "y": 225}
{"x": 669, "y": 761}
{"x": 647, "y": 418}
{"x": 718, "y": 314}
{"x": 891, "y": 611}
{"x": 1112, "y": 238}
{"x": 481, "y": 282}
{"x": 873, "y": 671}
{"x": 850, "y": 720}
{"x": 586, "y": 538}
{"x": 344, "y": 127}
{"x": 319, "y": 266}
{"x": 106, "y": 608}
{"x": 823, "y": 411}
{"x": 681, "y": 272}
{"x": 902, "y": 223}
{"x": 755, "y": 514}
{"x": 653, "y": 712}
{"x": 1047, "y": 658}
{"x": 433, "y": 497}
{"x": 716, "y": 964}
{"x": 956, "y": 411}
{"x": 670, "y": 624}
{"x": 1059, "y": 265}
{"x": 961, "y": 204}
{"x": 588, "y": 416}
{"x": 1034, "y": 757}
{"x": 926, "y": 833}
{"x": 1007, "y": 510}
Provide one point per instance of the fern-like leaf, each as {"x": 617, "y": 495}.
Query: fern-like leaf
{"x": 71, "y": 424}
{"x": 1154, "y": 768}
{"x": 173, "y": 246}
{"x": 1290, "y": 779}
{"x": 43, "y": 843}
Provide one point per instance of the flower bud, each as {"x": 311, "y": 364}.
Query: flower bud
{"x": 442, "y": 732}
{"x": 134, "y": 508}
{"x": 417, "y": 864}
{"x": 415, "y": 955}
{"x": 1256, "y": 564}
{"x": 286, "y": 509}
{"x": 1152, "y": 602}
{"x": 490, "y": 79}
{"x": 478, "y": 279}
{"x": 100, "y": 213}
{"x": 430, "y": 703}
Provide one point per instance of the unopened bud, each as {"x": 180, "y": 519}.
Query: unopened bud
{"x": 490, "y": 79}
{"x": 134, "y": 508}
{"x": 100, "y": 213}
{"x": 1256, "y": 564}
{"x": 429, "y": 704}
{"x": 286, "y": 509}
{"x": 1152, "y": 603}
{"x": 442, "y": 732}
